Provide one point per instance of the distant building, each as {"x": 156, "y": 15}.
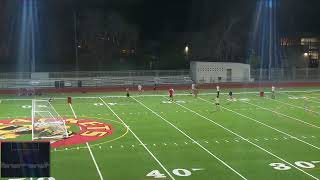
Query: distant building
{"x": 215, "y": 72}
{"x": 303, "y": 48}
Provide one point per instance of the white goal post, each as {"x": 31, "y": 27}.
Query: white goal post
{"x": 46, "y": 121}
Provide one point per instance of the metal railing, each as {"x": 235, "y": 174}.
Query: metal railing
{"x": 128, "y": 78}
{"x": 285, "y": 74}
{"x": 97, "y": 74}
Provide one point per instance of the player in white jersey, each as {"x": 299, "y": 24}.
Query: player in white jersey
{"x": 140, "y": 88}
{"x": 218, "y": 91}
{"x": 273, "y": 96}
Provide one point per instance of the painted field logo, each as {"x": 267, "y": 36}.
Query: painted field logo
{"x": 90, "y": 130}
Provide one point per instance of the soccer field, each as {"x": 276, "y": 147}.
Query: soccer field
{"x": 146, "y": 136}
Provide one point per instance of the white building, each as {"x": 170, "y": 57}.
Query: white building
{"x": 213, "y": 72}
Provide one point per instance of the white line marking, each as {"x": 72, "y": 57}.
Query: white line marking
{"x": 190, "y": 138}
{"x": 160, "y": 95}
{"x": 291, "y": 136}
{"x": 138, "y": 139}
{"x": 312, "y": 100}
{"x": 261, "y": 148}
{"x": 283, "y": 115}
{"x": 294, "y": 106}
{"x": 197, "y": 169}
{"x": 92, "y": 156}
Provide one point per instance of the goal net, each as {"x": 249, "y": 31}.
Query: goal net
{"x": 46, "y": 122}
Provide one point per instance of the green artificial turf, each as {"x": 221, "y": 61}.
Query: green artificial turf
{"x": 190, "y": 138}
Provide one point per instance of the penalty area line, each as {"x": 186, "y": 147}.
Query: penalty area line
{"x": 145, "y": 147}
{"x": 92, "y": 156}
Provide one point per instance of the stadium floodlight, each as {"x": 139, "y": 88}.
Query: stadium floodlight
{"x": 186, "y": 49}
{"x": 46, "y": 122}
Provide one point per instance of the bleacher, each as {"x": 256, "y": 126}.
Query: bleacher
{"x": 97, "y": 79}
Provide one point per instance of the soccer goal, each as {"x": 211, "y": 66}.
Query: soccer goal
{"x": 46, "y": 121}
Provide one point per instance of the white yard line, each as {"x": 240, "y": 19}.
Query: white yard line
{"x": 205, "y": 149}
{"x": 318, "y": 102}
{"x": 263, "y": 124}
{"x": 261, "y": 148}
{"x": 92, "y": 156}
{"x": 299, "y": 107}
{"x": 154, "y": 157}
{"x": 304, "y": 98}
{"x": 310, "y": 124}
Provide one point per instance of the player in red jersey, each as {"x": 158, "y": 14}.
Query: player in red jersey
{"x": 171, "y": 91}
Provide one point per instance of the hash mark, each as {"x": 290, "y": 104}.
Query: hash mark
{"x": 197, "y": 169}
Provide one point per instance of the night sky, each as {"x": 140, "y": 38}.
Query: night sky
{"x": 154, "y": 19}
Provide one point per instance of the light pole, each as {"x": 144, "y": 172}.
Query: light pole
{"x": 186, "y": 50}
{"x": 307, "y": 57}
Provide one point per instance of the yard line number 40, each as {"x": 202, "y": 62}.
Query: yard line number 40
{"x": 177, "y": 172}
{"x": 301, "y": 164}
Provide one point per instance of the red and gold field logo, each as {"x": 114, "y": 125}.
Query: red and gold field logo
{"x": 90, "y": 130}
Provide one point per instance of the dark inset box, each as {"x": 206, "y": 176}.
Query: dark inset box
{"x": 25, "y": 159}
